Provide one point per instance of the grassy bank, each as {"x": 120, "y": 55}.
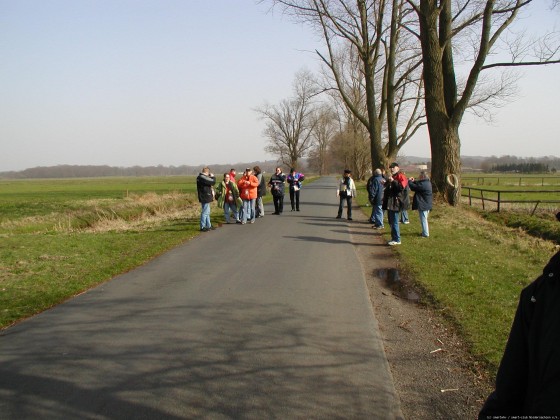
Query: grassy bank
{"x": 472, "y": 268}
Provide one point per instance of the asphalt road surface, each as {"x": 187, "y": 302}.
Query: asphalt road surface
{"x": 270, "y": 320}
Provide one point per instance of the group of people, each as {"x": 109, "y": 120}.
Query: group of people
{"x": 242, "y": 200}
{"x": 390, "y": 193}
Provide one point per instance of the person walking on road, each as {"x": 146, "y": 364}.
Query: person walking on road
{"x": 204, "y": 187}
{"x": 375, "y": 195}
{"x": 228, "y": 198}
{"x": 422, "y": 200}
{"x": 276, "y": 184}
{"x": 248, "y": 185}
{"x": 346, "y": 190}
{"x": 394, "y": 191}
{"x": 294, "y": 180}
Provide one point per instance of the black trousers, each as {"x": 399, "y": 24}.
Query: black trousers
{"x": 294, "y": 196}
{"x": 278, "y": 203}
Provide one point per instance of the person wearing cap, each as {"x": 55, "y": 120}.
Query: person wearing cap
{"x": 528, "y": 379}
{"x": 346, "y": 190}
{"x": 204, "y": 187}
{"x": 395, "y": 200}
{"x": 248, "y": 185}
{"x": 294, "y": 180}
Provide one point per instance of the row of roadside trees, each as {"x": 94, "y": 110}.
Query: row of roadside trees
{"x": 392, "y": 66}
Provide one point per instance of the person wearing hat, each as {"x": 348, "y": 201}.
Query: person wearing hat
{"x": 395, "y": 192}
{"x": 528, "y": 379}
{"x": 346, "y": 190}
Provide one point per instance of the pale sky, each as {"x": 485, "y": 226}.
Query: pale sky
{"x": 175, "y": 82}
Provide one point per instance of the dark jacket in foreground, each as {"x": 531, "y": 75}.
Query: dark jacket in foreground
{"x": 422, "y": 199}
{"x": 528, "y": 380}
{"x": 204, "y": 187}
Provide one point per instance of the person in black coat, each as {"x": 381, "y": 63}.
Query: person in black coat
{"x": 528, "y": 379}
{"x": 276, "y": 185}
{"x": 204, "y": 187}
{"x": 422, "y": 200}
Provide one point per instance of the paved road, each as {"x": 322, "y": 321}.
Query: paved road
{"x": 263, "y": 321}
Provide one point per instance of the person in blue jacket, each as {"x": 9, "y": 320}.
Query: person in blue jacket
{"x": 375, "y": 196}
{"x": 422, "y": 200}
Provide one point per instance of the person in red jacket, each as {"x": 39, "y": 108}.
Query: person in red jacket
{"x": 248, "y": 185}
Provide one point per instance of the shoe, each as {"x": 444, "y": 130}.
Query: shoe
{"x": 297, "y": 209}
{"x": 292, "y": 210}
{"x": 243, "y": 223}
{"x": 252, "y": 221}
{"x": 276, "y": 213}
{"x": 211, "y": 228}
{"x": 393, "y": 243}
{"x": 204, "y": 229}
{"x": 349, "y": 218}
{"x": 238, "y": 222}
{"x": 378, "y": 227}
{"x": 424, "y": 236}
{"x": 338, "y": 217}
{"x": 406, "y": 223}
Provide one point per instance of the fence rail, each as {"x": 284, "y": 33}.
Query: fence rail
{"x": 499, "y": 200}
{"x": 512, "y": 180}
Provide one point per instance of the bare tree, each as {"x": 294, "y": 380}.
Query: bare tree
{"x": 322, "y": 134}
{"x": 350, "y": 146}
{"x": 290, "y": 124}
{"x": 382, "y": 64}
{"x": 473, "y": 31}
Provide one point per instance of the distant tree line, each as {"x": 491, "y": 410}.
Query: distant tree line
{"x": 524, "y": 165}
{"x": 524, "y": 168}
{"x": 94, "y": 171}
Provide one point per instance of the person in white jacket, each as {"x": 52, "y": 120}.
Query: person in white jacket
{"x": 346, "y": 190}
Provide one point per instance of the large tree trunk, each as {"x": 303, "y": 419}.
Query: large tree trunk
{"x": 446, "y": 161}
{"x": 440, "y": 98}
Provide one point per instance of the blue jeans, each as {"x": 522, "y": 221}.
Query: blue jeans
{"x": 205, "y": 216}
{"x": 230, "y": 207}
{"x": 378, "y": 215}
{"x": 394, "y": 223}
{"x": 404, "y": 216}
{"x": 248, "y": 210}
{"x": 424, "y": 222}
